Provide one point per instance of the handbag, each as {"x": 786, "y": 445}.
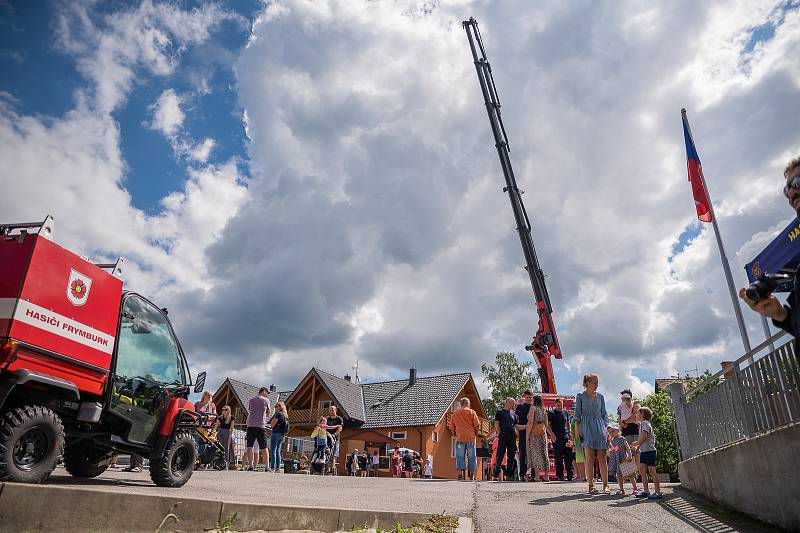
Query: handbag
{"x": 628, "y": 468}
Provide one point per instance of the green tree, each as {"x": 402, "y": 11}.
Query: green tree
{"x": 508, "y": 377}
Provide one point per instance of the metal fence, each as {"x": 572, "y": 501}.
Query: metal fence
{"x": 290, "y": 447}
{"x": 739, "y": 402}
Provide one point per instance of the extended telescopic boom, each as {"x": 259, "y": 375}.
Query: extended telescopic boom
{"x": 545, "y": 342}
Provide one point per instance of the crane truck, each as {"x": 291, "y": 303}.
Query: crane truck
{"x": 544, "y": 345}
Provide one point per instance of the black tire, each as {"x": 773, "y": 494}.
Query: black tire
{"x": 175, "y": 466}
{"x": 31, "y": 441}
{"x": 82, "y": 461}
{"x": 219, "y": 464}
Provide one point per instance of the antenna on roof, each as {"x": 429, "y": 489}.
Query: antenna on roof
{"x": 355, "y": 371}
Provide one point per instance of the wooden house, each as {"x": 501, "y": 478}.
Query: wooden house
{"x": 410, "y": 413}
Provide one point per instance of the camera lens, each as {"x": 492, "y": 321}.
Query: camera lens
{"x": 758, "y": 290}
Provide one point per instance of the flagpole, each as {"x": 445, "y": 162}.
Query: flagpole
{"x": 726, "y": 267}
{"x": 767, "y": 333}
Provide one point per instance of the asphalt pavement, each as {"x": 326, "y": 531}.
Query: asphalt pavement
{"x": 494, "y": 506}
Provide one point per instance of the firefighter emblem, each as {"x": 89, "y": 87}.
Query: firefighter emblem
{"x": 78, "y": 287}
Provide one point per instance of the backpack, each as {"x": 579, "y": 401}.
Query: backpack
{"x": 282, "y": 427}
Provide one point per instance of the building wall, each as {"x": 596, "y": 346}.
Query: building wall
{"x": 418, "y": 438}
{"x": 752, "y": 476}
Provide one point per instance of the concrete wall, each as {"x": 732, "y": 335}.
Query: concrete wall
{"x": 36, "y": 508}
{"x": 758, "y": 476}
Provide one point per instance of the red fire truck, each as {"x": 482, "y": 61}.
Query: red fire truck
{"x": 87, "y": 369}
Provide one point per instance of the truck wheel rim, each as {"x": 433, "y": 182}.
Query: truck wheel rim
{"x": 31, "y": 448}
{"x": 180, "y": 460}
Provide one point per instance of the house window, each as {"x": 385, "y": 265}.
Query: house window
{"x": 435, "y": 436}
{"x": 453, "y": 447}
{"x": 399, "y": 435}
{"x": 324, "y": 404}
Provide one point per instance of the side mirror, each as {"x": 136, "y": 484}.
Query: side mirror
{"x": 200, "y": 383}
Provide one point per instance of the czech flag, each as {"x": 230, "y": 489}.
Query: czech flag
{"x": 701, "y": 200}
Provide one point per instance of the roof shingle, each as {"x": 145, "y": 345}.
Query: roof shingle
{"x": 396, "y": 404}
{"x": 347, "y": 394}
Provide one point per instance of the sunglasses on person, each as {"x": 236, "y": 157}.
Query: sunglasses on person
{"x": 793, "y": 183}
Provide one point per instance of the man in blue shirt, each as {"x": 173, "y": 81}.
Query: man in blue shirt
{"x": 559, "y": 424}
{"x": 505, "y": 421}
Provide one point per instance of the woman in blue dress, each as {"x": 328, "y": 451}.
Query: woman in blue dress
{"x": 591, "y": 421}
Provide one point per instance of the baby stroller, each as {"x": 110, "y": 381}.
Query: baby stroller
{"x": 322, "y": 456}
{"x": 213, "y": 452}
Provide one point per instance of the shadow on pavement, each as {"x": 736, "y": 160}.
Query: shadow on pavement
{"x": 78, "y": 482}
{"x": 562, "y": 498}
{"x": 626, "y": 501}
{"x": 707, "y": 516}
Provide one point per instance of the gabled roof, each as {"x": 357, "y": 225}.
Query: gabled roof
{"x": 347, "y": 394}
{"x": 244, "y": 391}
{"x": 396, "y": 404}
{"x": 385, "y": 404}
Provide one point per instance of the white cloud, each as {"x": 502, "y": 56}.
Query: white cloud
{"x": 72, "y": 166}
{"x": 375, "y": 227}
{"x": 202, "y": 151}
{"x": 375, "y": 108}
{"x": 167, "y": 114}
{"x": 151, "y": 36}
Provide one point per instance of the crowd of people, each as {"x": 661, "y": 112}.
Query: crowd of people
{"x": 261, "y": 421}
{"x": 586, "y": 446}
{"x": 268, "y": 428}
{"x": 409, "y": 464}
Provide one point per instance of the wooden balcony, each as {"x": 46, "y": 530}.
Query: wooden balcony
{"x": 306, "y": 416}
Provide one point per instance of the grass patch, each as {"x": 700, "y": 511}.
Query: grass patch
{"x": 439, "y": 523}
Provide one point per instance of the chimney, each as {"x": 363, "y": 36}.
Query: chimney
{"x": 729, "y": 368}
{"x": 412, "y": 376}
{"x": 272, "y": 388}
{"x": 347, "y": 378}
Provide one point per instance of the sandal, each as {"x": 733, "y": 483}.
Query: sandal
{"x": 620, "y": 492}
{"x": 607, "y": 491}
{"x": 593, "y": 491}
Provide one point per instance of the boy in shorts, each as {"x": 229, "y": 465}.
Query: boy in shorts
{"x": 646, "y": 446}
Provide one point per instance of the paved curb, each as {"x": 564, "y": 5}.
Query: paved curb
{"x": 62, "y": 509}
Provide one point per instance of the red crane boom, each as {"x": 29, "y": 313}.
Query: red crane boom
{"x": 544, "y": 345}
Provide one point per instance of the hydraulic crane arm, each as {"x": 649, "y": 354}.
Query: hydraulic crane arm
{"x": 545, "y": 342}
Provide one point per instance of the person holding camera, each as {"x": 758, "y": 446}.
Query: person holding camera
{"x": 786, "y": 317}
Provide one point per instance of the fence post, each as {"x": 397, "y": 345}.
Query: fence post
{"x": 678, "y": 396}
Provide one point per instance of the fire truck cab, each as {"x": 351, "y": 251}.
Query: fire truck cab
{"x": 87, "y": 369}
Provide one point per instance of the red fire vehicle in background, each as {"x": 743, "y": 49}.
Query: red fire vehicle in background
{"x": 549, "y": 403}
{"x": 86, "y": 368}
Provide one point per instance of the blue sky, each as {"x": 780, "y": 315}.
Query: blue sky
{"x": 44, "y": 80}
